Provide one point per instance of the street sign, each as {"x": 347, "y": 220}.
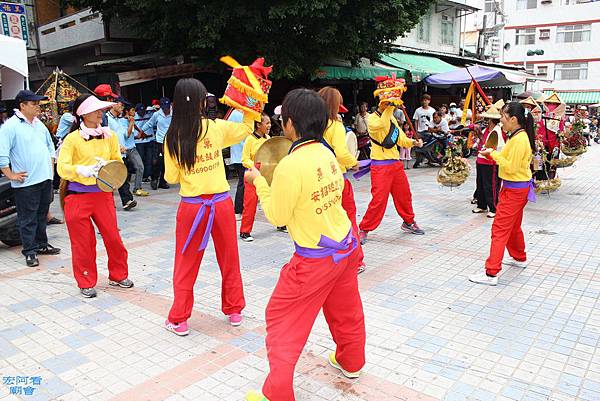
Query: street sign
{"x": 14, "y": 21}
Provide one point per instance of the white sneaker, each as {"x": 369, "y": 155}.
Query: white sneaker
{"x": 510, "y": 261}
{"x": 238, "y": 216}
{"x": 482, "y": 278}
{"x": 491, "y": 215}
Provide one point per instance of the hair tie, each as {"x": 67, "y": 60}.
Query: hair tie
{"x": 526, "y": 111}
{"x": 187, "y": 98}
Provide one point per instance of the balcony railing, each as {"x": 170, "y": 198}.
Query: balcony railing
{"x": 73, "y": 30}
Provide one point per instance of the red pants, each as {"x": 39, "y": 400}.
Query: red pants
{"x": 506, "y": 229}
{"x": 249, "y": 212}
{"x": 304, "y": 287}
{"x": 386, "y": 180}
{"x": 187, "y": 264}
{"x": 350, "y": 207}
{"x": 80, "y": 210}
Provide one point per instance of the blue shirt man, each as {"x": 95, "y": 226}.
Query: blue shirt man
{"x": 27, "y": 146}
{"x": 114, "y": 123}
{"x": 235, "y": 151}
{"x": 64, "y": 125}
{"x": 141, "y": 117}
{"x": 26, "y": 153}
{"x": 160, "y": 120}
{"x": 127, "y": 141}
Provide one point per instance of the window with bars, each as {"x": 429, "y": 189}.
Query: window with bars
{"x": 542, "y": 70}
{"x": 529, "y": 68}
{"x": 447, "y": 30}
{"x": 489, "y": 6}
{"x": 573, "y": 33}
{"x": 570, "y": 71}
{"x": 423, "y": 28}
{"x": 526, "y": 4}
{"x": 571, "y": 2}
{"x": 525, "y": 36}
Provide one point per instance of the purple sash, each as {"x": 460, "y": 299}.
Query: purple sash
{"x": 364, "y": 166}
{"x": 520, "y": 185}
{"x": 79, "y": 187}
{"x": 329, "y": 248}
{"x": 206, "y": 203}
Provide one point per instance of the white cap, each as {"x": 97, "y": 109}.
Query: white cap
{"x": 149, "y": 108}
{"x": 277, "y": 110}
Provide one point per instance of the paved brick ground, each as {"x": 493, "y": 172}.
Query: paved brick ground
{"x": 430, "y": 333}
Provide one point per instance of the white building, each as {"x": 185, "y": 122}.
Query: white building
{"x": 568, "y": 33}
{"x": 439, "y": 29}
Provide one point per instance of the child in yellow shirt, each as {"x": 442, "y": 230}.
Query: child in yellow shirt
{"x": 193, "y": 159}
{"x": 306, "y": 195}
{"x": 514, "y": 162}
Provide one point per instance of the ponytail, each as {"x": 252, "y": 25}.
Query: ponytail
{"x": 530, "y": 129}
{"x": 524, "y": 118}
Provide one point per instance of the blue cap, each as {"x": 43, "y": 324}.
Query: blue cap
{"x": 139, "y": 108}
{"x": 121, "y": 99}
{"x": 164, "y": 102}
{"x": 28, "y": 96}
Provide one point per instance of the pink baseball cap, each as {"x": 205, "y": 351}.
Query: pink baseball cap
{"x": 92, "y": 104}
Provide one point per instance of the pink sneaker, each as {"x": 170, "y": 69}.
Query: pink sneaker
{"x": 181, "y": 329}
{"x": 235, "y": 319}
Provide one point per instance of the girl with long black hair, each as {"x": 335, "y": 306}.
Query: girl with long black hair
{"x": 193, "y": 159}
{"x": 517, "y": 189}
{"x": 81, "y": 155}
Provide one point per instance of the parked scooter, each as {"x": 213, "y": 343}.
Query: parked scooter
{"x": 9, "y": 233}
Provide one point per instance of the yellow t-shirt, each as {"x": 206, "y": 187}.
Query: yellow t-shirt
{"x": 515, "y": 158}
{"x": 335, "y": 136}
{"x": 77, "y": 151}
{"x": 379, "y": 127}
{"x": 207, "y": 176}
{"x": 250, "y": 148}
{"x": 306, "y": 195}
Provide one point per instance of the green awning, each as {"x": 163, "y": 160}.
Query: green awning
{"x": 577, "y": 97}
{"x": 364, "y": 71}
{"x": 419, "y": 66}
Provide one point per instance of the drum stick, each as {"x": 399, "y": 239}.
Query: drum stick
{"x": 410, "y": 122}
{"x": 104, "y": 182}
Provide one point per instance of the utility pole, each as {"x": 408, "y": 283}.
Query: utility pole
{"x": 481, "y": 39}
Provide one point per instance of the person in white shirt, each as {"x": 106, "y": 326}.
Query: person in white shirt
{"x": 360, "y": 121}
{"x": 423, "y": 115}
{"x": 454, "y": 115}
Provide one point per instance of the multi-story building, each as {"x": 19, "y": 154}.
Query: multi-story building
{"x": 556, "y": 40}
{"x": 439, "y": 29}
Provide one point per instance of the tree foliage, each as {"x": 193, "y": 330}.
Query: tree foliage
{"x": 296, "y": 36}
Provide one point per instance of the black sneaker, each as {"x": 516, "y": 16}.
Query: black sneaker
{"x": 130, "y": 205}
{"x": 147, "y": 179}
{"x": 123, "y": 283}
{"x": 154, "y": 185}
{"x": 32, "y": 260}
{"x": 88, "y": 292}
{"x": 164, "y": 185}
{"x": 412, "y": 228}
{"x": 246, "y": 237}
{"x": 48, "y": 250}
{"x": 282, "y": 229}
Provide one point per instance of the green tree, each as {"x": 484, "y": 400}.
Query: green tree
{"x": 296, "y": 36}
